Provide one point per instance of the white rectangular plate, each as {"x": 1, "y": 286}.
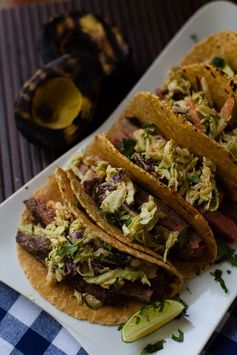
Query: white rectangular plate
{"x": 207, "y": 303}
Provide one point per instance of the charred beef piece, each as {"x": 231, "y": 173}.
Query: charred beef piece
{"x": 189, "y": 252}
{"x": 40, "y": 211}
{"x": 223, "y": 225}
{"x": 114, "y": 295}
{"x": 172, "y": 219}
{"x": 138, "y": 291}
{"x": 229, "y": 209}
{"x": 36, "y": 245}
{"x": 107, "y": 296}
{"x": 117, "y": 259}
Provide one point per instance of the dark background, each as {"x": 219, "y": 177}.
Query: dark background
{"x": 148, "y": 26}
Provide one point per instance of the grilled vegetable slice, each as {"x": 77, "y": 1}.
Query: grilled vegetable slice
{"x": 56, "y": 105}
{"x": 86, "y": 33}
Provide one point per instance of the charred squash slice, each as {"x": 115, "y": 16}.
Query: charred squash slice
{"x": 87, "y": 33}
{"x": 56, "y": 105}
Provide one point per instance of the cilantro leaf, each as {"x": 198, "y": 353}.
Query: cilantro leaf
{"x": 217, "y": 275}
{"x": 183, "y": 238}
{"x": 137, "y": 320}
{"x": 151, "y": 348}
{"x": 160, "y": 305}
{"x": 194, "y": 37}
{"x": 219, "y": 62}
{"x": 145, "y": 313}
{"x": 68, "y": 249}
{"x": 149, "y": 128}
{"x": 225, "y": 253}
{"x": 184, "y": 312}
{"x": 179, "y": 338}
{"x": 195, "y": 179}
{"x": 120, "y": 326}
{"x": 127, "y": 147}
{"x": 189, "y": 291}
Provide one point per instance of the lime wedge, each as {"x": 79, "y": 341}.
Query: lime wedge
{"x": 150, "y": 318}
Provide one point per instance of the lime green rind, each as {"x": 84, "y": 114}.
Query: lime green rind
{"x": 150, "y": 318}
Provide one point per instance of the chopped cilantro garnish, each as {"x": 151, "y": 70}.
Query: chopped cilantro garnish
{"x": 194, "y": 179}
{"x": 137, "y": 320}
{"x": 151, "y": 348}
{"x": 194, "y": 37}
{"x": 120, "y": 326}
{"x": 217, "y": 275}
{"x": 218, "y": 62}
{"x": 127, "y": 147}
{"x": 159, "y": 305}
{"x": 68, "y": 249}
{"x": 188, "y": 290}
{"x": 183, "y": 238}
{"x": 149, "y": 128}
{"x": 179, "y": 338}
{"x": 144, "y": 313}
{"x": 225, "y": 253}
{"x": 184, "y": 312}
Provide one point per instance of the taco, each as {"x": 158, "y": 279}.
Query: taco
{"x": 142, "y": 135}
{"x": 203, "y": 105}
{"x": 218, "y": 49}
{"x": 79, "y": 268}
{"x": 116, "y": 198}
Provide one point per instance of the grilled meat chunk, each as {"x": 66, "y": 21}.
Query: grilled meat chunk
{"x": 113, "y": 295}
{"x": 223, "y": 225}
{"x": 40, "y": 211}
{"x": 38, "y": 246}
{"x": 106, "y": 296}
{"x": 137, "y": 291}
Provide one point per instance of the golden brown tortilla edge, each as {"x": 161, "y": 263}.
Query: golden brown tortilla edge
{"x": 218, "y": 44}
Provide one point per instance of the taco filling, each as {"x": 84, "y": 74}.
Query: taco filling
{"x": 71, "y": 251}
{"x": 192, "y": 177}
{"x": 142, "y": 218}
{"x": 176, "y": 167}
{"x": 199, "y": 109}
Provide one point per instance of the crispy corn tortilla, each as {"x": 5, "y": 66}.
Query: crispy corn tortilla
{"x": 61, "y": 295}
{"x": 188, "y": 269}
{"x": 174, "y": 126}
{"x": 220, "y": 44}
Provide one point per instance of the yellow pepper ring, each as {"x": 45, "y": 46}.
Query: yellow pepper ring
{"x": 56, "y": 103}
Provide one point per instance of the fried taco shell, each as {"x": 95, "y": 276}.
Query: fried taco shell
{"x": 61, "y": 294}
{"x": 217, "y": 45}
{"x": 180, "y": 216}
{"x": 188, "y": 136}
{"x": 203, "y": 103}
